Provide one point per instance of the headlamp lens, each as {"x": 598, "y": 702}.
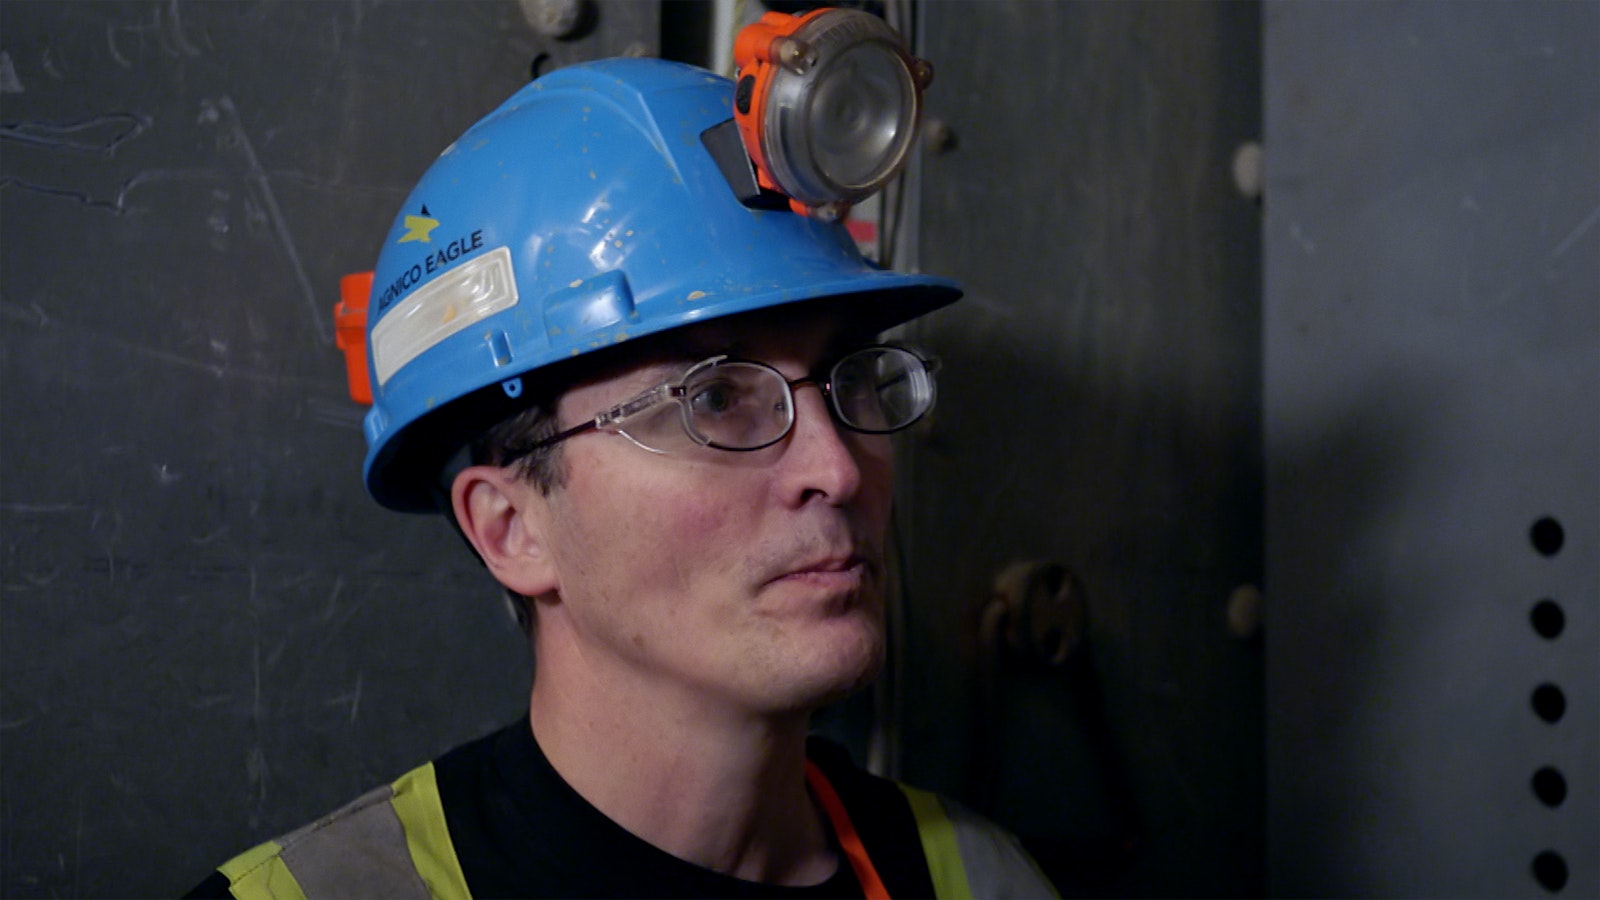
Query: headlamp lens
{"x": 860, "y": 117}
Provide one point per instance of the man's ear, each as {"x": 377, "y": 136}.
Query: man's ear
{"x": 502, "y": 516}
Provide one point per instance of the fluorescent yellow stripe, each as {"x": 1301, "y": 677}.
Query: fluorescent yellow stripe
{"x": 939, "y": 845}
{"x": 416, "y": 801}
{"x": 259, "y": 874}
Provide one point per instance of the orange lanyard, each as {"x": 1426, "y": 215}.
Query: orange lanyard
{"x": 849, "y": 841}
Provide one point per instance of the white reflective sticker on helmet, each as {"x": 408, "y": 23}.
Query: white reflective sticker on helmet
{"x": 463, "y": 296}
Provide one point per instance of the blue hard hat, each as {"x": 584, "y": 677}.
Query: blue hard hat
{"x": 584, "y": 212}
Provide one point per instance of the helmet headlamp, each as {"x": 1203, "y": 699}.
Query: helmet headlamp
{"x": 827, "y": 104}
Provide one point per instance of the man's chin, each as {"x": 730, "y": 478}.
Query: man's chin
{"x": 846, "y": 674}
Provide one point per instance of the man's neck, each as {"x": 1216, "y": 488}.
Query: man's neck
{"x": 722, "y": 791}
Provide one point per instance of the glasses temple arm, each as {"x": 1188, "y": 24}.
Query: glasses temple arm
{"x": 612, "y": 416}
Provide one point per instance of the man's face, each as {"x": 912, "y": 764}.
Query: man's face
{"x": 751, "y": 578}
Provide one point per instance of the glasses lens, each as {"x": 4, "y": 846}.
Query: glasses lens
{"x": 881, "y": 389}
{"x": 737, "y": 406}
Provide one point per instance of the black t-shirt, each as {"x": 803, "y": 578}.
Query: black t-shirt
{"x": 519, "y": 830}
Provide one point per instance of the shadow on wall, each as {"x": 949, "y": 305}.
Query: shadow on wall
{"x": 1132, "y": 766}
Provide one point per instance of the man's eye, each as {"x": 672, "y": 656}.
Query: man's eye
{"x": 715, "y": 399}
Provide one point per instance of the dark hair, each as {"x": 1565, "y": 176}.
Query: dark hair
{"x": 510, "y": 438}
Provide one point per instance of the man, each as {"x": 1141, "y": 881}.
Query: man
{"x": 658, "y": 414}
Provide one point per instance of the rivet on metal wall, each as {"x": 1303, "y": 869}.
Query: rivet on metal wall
{"x": 1244, "y": 611}
{"x": 558, "y": 19}
{"x": 937, "y": 136}
{"x": 1249, "y": 169}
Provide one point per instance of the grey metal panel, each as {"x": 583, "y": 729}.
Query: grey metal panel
{"x": 210, "y": 634}
{"x": 1098, "y": 408}
{"x": 1432, "y": 334}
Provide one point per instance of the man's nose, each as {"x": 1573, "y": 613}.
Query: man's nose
{"x": 820, "y": 455}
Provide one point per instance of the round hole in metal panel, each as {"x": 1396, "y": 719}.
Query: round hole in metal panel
{"x": 1550, "y": 870}
{"x": 1549, "y": 703}
{"x": 1548, "y": 619}
{"x": 1550, "y": 786}
{"x": 1547, "y": 536}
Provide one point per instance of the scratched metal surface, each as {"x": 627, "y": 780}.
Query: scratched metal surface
{"x": 208, "y": 634}
{"x": 1432, "y": 329}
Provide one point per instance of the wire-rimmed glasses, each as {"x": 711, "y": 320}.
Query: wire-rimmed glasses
{"x": 728, "y": 403}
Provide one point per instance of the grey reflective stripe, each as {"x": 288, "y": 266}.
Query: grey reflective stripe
{"x": 997, "y": 866}
{"x": 393, "y": 842}
{"x": 356, "y": 851}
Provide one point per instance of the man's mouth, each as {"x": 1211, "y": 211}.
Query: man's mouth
{"x": 840, "y": 574}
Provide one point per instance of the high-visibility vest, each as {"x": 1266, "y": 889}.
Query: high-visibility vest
{"x": 393, "y": 842}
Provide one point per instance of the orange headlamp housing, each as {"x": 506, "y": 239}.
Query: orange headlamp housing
{"x": 827, "y": 104}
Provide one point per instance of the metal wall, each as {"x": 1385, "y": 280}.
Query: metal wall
{"x": 1432, "y": 337}
{"x": 1099, "y": 410}
{"x": 208, "y": 633}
